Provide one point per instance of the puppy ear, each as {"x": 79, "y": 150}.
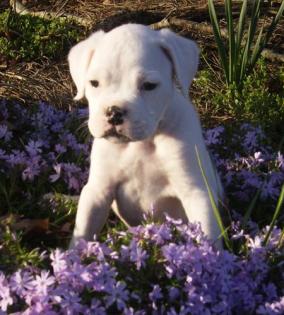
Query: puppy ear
{"x": 79, "y": 59}
{"x": 184, "y": 56}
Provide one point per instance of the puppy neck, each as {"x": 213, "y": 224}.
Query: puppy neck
{"x": 175, "y": 113}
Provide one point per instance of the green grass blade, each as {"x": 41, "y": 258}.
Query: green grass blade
{"x": 275, "y": 215}
{"x": 281, "y": 239}
{"x": 251, "y": 33}
{"x": 239, "y": 39}
{"x": 231, "y": 33}
{"x": 241, "y": 24}
{"x": 213, "y": 203}
{"x": 253, "y": 22}
{"x": 271, "y": 29}
{"x": 244, "y": 61}
{"x": 218, "y": 38}
{"x": 276, "y": 19}
{"x": 258, "y": 47}
{"x": 250, "y": 208}
{"x": 262, "y": 41}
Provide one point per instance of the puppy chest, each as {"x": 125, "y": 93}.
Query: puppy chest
{"x": 145, "y": 182}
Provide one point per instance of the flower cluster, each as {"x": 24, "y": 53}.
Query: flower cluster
{"x": 42, "y": 143}
{"x": 246, "y": 163}
{"x": 170, "y": 268}
{"x": 150, "y": 269}
{"x": 38, "y": 146}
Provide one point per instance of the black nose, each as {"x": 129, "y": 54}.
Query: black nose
{"x": 115, "y": 115}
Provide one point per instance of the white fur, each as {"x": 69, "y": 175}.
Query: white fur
{"x": 154, "y": 165}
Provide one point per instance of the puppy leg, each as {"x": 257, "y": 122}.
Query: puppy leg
{"x": 93, "y": 210}
{"x": 198, "y": 208}
{"x": 186, "y": 180}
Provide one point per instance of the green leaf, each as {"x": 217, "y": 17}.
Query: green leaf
{"x": 258, "y": 47}
{"x": 250, "y": 208}
{"x": 262, "y": 41}
{"x": 241, "y": 24}
{"x": 218, "y": 39}
{"x": 275, "y": 216}
{"x": 276, "y": 19}
{"x": 213, "y": 203}
{"x": 239, "y": 39}
{"x": 232, "y": 44}
{"x": 251, "y": 33}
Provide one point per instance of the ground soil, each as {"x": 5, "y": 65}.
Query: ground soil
{"x": 50, "y": 80}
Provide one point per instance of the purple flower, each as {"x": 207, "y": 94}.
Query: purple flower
{"x": 21, "y": 282}
{"x": 3, "y": 155}
{"x": 252, "y": 136}
{"x": 275, "y": 308}
{"x": 174, "y": 293}
{"x": 69, "y": 300}
{"x": 258, "y": 157}
{"x": 59, "y": 262}
{"x": 117, "y": 294}
{"x": 74, "y": 183}
{"x": 31, "y": 171}
{"x": 60, "y": 148}
{"x": 80, "y": 274}
{"x": 5, "y": 133}
{"x": 38, "y": 308}
{"x": 70, "y": 141}
{"x": 135, "y": 254}
{"x": 5, "y": 293}
{"x": 83, "y": 112}
{"x": 43, "y": 283}
{"x": 269, "y": 190}
{"x": 212, "y": 136}
{"x": 34, "y": 147}
{"x": 280, "y": 160}
{"x": 96, "y": 308}
{"x": 72, "y": 175}
{"x": 54, "y": 177}
{"x": 155, "y": 295}
{"x": 4, "y": 109}
{"x": 16, "y": 158}
{"x": 57, "y": 127}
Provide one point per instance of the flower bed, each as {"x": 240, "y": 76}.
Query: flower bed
{"x": 151, "y": 269}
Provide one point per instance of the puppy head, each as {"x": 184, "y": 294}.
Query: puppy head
{"x": 128, "y": 76}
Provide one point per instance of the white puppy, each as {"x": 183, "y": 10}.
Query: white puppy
{"x": 143, "y": 157}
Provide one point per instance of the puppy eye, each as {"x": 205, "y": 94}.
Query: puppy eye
{"x": 94, "y": 83}
{"x": 149, "y": 86}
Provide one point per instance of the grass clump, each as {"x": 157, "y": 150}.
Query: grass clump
{"x": 13, "y": 253}
{"x": 260, "y": 101}
{"x": 245, "y": 43}
{"x": 27, "y": 37}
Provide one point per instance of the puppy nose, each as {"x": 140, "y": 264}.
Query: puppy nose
{"x": 115, "y": 115}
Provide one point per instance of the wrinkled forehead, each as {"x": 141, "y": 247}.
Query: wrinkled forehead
{"x": 122, "y": 50}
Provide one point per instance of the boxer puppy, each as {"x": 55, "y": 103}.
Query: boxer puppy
{"x": 145, "y": 130}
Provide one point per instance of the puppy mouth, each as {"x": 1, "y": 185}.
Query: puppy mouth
{"x": 112, "y": 133}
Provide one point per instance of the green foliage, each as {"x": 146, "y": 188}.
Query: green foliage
{"x": 257, "y": 102}
{"x": 216, "y": 211}
{"x": 22, "y": 238}
{"x": 13, "y": 254}
{"x": 27, "y": 37}
{"x": 244, "y": 47}
{"x": 275, "y": 216}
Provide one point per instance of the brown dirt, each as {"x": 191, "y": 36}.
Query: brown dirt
{"x": 51, "y": 82}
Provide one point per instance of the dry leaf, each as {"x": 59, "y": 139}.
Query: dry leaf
{"x": 34, "y": 225}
